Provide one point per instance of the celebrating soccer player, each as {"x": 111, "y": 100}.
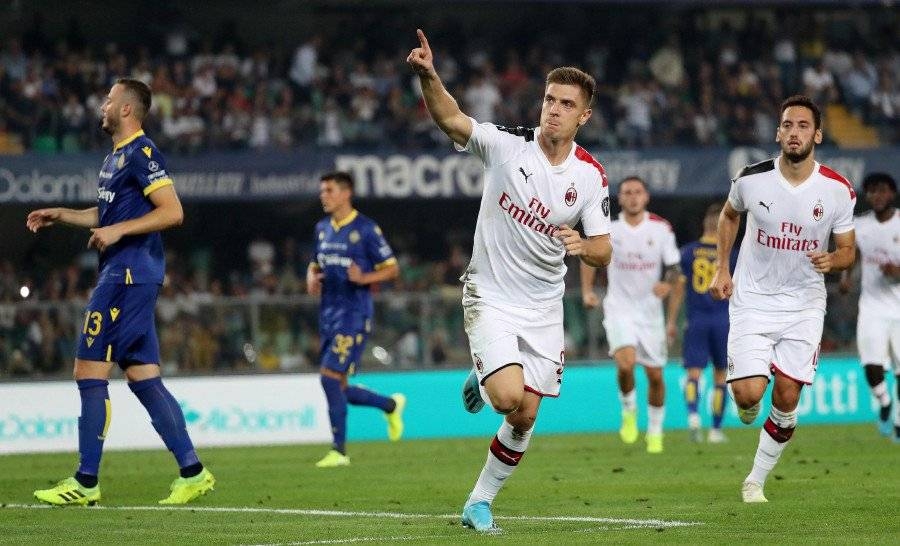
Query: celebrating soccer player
{"x": 644, "y": 244}
{"x": 537, "y": 184}
{"x": 706, "y": 332}
{"x": 351, "y": 256}
{"x": 136, "y": 200}
{"x": 777, "y": 306}
{"x": 878, "y": 322}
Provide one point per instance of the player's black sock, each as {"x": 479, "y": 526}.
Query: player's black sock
{"x": 86, "y": 480}
{"x": 885, "y": 412}
{"x": 191, "y": 470}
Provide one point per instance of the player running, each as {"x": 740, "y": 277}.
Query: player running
{"x": 537, "y": 183}
{"x": 878, "y": 322}
{"x": 637, "y": 331}
{"x": 777, "y": 307}
{"x": 352, "y": 255}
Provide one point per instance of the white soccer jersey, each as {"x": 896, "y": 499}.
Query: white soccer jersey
{"x": 516, "y": 257}
{"x": 784, "y": 222}
{"x": 639, "y": 253}
{"x": 879, "y": 244}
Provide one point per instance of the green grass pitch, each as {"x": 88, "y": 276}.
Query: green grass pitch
{"x": 834, "y": 485}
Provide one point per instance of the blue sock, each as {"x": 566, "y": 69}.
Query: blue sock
{"x": 692, "y": 395}
{"x": 359, "y": 396}
{"x": 337, "y": 411}
{"x": 720, "y": 395}
{"x": 167, "y": 419}
{"x": 92, "y": 426}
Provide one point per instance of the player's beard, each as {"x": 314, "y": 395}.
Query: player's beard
{"x": 800, "y": 155}
{"x": 109, "y": 127}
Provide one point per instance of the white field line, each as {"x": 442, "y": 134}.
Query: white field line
{"x": 639, "y": 523}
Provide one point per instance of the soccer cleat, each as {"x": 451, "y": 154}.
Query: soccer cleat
{"x": 478, "y": 516}
{"x": 716, "y": 436}
{"x": 629, "y": 430}
{"x": 747, "y": 416}
{"x": 886, "y": 427}
{"x": 471, "y": 394}
{"x": 654, "y": 443}
{"x": 752, "y": 492}
{"x": 184, "y": 490}
{"x": 69, "y": 492}
{"x": 332, "y": 459}
{"x": 395, "y": 418}
{"x": 696, "y": 433}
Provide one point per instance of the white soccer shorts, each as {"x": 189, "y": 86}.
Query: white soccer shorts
{"x": 504, "y": 335}
{"x": 762, "y": 343}
{"x": 878, "y": 340}
{"x": 645, "y": 331}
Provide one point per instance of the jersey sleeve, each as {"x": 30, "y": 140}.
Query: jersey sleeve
{"x": 491, "y": 145}
{"x": 736, "y": 195}
{"x": 378, "y": 249}
{"x": 843, "y": 221}
{"x": 671, "y": 255}
{"x": 149, "y": 169}
{"x": 595, "y": 217}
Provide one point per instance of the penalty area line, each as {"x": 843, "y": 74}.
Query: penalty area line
{"x": 635, "y": 523}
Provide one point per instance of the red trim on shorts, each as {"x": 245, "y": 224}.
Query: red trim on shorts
{"x": 539, "y": 393}
{"x": 774, "y": 368}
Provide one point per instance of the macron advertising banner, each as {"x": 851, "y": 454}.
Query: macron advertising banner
{"x": 272, "y": 175}
{"x": 290, "y": 408}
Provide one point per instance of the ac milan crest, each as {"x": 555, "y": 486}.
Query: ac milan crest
{"x": 818, "y": 211}
{"x": 479, "y": 365}
{"x": 571, "y": 195}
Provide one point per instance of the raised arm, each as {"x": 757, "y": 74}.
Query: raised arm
{"x": 440, "y": 103}
{"x": 729, "y": 222}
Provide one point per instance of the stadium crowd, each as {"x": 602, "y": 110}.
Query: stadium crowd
{"x": 721, "y": 88}
{"x": 257, "y": 317}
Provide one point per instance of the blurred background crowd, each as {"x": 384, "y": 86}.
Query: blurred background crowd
{"x": 694, "y": 80}
{"x": 332, "y": 75}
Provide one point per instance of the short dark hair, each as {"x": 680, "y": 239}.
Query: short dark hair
{"x": 634, "y": 178}
{"x": 806, "y": 102}
{"x": 569, "y": 75}
{"x": 141, "y": 92}
{"x": 873, "y": 179}
{"x": 341, "y": 178}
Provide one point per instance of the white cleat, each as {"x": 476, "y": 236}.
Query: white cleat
{"x": 747, "y": 416}
{"x": 716, "y": 436}
{"x": 752, "y": 492}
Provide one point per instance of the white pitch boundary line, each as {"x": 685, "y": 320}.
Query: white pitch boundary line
{"x": 393, "y": 515}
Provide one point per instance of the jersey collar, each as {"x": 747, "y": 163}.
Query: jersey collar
{"x": 127, "y": 140}
{"x": 350, "y": 217}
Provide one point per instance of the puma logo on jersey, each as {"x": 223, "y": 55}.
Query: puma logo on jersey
{"x": 526, "y": 175}
{"x": 765, "y": 206}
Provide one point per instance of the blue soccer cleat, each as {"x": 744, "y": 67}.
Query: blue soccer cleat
{"x": 885, "y": 428}
{"x": 471, "y": 394}
{"x": 478, "y": 516}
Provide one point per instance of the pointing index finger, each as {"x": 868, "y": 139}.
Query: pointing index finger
{"x": 423, "y": 41}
